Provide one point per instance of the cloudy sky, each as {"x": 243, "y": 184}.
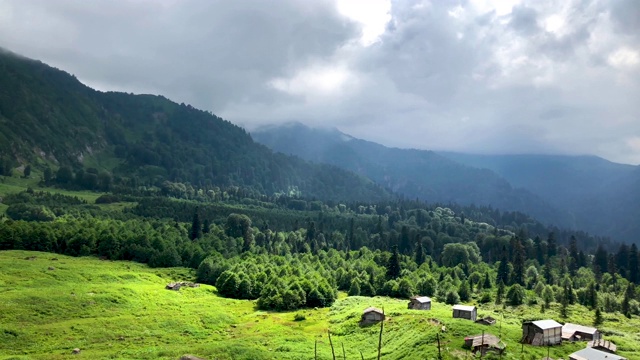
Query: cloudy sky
{"x": 503, "y": 76}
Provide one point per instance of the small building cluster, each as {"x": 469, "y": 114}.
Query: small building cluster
{"x": 535, "y": 332}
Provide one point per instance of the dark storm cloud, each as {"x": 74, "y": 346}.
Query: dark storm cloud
{"x": 524, "y": 19}
{"x": 469, "y": 75}
{"x": 203, "y": 52}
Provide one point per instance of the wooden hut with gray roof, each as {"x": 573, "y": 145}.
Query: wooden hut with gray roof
{"x": 593, "y": 354}
{"x": 465, "y": 312}
{"x": 420, "y": 303}
{"x": 371, "y": 315}
{"x": 575, "y": 332}
{"x": 542, "y": 332}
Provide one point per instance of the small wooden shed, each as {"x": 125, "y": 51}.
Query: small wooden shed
{"x": 465, "y": 312}
{"x": 371, "y": 315}
{"x": 593, "y": 354}
{"x": 486, "y": 321}
{"x": 484, "y": 343}
{"x": 420, "y": 303}
{"x": 574, "y": 332}
{"x": 173, "y": 286}
{"x": 603, "y": 345}
{"x": 542, "y": 332}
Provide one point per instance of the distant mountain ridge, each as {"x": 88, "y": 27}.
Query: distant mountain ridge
{"x": 414, "y": 173}
{"x": 49, "y": 118}
{"x": 602, "y": 197}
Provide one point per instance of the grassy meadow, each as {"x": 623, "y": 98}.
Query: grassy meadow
{"x": 52, "y": 304}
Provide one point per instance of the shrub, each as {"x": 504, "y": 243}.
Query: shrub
{"x": 299, "y": 317}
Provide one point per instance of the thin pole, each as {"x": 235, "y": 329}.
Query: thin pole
{"x": 344, "y": 354}
{"x": 333, "y": 353}
{"x": 361, "y": 356}
{"x": 482, "y": 345}
{"x": 380, "y": 336}
{"x": 438, "y": 338}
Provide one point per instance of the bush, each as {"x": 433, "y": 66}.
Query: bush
{"x": 485, "y": 298}
{"x": 516, "y": 295}
{"x": 452, "y": 298}
{"x": 299, "y": 317}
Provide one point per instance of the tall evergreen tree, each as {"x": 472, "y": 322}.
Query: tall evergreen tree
{"x": 552, "y": 246}
{"x": 518, "y": 263}
{"x": 628, "y": 295}
{"x": 634, "y": 268}
{"x": 405, "y": 240}
{"x": 573, "y": 254}
{"x": 597, "y": 318}
{"x": 600, "y": 261}
{"x": 503, "y": 269}
{"x": 539, "y": 249}
{"x": 393, "y": 266}
{"x": 196, "y": 227}
{"x": 419, "y": 256}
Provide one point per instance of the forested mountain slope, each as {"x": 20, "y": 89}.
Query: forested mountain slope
{"x": 49, "y": 118}
{"x": 602, "y": 197}
{"x": 414, "y": 173}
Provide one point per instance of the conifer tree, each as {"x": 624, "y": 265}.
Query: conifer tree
{"x": 393, "y": 266}
{"x": 419, "y": 252}
{"x": 597, "y": 319}
{"x": 196, "y": 226}
{"x": 552, "y": 247}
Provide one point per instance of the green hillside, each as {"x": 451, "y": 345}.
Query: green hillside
{"x": 115, "y": 140}
{"x": 120, "y": 310}
{"x": 413, "y": 173}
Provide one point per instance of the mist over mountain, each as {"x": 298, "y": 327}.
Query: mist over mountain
{"x": 421, "y": 174}
{"x": 579, "y": 192}
{"x": 49, "y": 119}
{"x": 602, "y": 197}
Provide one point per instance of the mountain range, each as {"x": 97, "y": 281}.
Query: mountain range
{"x": 578, "y": 192}
{"x": 50, "y": 119}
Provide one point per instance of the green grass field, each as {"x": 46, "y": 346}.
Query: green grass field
{"x": 120, "y": 310}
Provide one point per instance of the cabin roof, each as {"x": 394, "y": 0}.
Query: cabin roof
{"x": 547, "y": 324}
{"x": 572, "y": 328}
{"x": 372, "y": 309}
{"x": 421, "y": 299}
{"x": 593, "y": 354}
{"x": 604, "y": 344}
{"x": 464, "y": 307}
{"x": 487, "y": 339}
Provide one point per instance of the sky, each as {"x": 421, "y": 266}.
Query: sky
{"x": 478, "y": 76}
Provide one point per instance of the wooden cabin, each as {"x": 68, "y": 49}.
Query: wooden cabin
{"x": 465, "y": 312}
{"x": 603, "y": 345}
{"x": 574, "y": 332}
{"x": 484, "y": 343}
{"x": 420, "y": 303}
{"x": 542, "y": 332}
{"x": 486, "y": 321}
{"x": 371, "y": 315}
{"x": 593, "y": 354}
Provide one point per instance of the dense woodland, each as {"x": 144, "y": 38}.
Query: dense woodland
{"x": 182, "y": 187}
{"x": 96, "y": 141}
{"x": 289, "y": 252}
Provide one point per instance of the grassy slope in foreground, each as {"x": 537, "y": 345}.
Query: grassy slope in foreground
{"x": 120, "y": 310}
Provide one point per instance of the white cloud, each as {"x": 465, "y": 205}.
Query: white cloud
{"x": 523, "y": 75}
